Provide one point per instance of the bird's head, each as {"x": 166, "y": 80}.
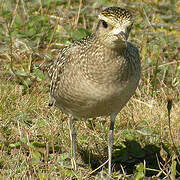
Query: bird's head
{"x": 114, "y": 27}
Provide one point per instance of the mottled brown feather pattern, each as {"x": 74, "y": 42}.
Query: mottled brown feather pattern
{"x": 117, "y": 14}
{"x": 91, "y": 79}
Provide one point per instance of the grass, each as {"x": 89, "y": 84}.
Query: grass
{"x": 34, "y": 139}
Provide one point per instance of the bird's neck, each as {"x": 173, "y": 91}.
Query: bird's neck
{"x": 106, "y": 63}
{"x": 112, "y": 49}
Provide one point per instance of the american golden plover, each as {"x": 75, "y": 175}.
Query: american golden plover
{"x": 96, "y": 76}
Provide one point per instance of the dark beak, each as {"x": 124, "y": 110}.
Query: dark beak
{"x": 122, "y": 36}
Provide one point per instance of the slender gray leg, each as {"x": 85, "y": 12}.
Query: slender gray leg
{"x": 73, "y": 143}
{"x": 110, "y": 142}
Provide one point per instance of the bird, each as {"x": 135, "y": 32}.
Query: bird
{"x": 96, "y": 75}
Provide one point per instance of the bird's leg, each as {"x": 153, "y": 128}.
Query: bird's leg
{"x": 73, "y": 143}
{"x": 110, "y": 142}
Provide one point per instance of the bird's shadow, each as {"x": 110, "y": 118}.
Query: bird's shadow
{"x": 127, "y": 158}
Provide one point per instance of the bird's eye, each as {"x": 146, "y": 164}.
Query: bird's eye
{"x": 105, "y": 25}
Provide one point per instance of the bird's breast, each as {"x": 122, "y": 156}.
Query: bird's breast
{"x": 96, "y": 84}
{"x": 87, "y": 96}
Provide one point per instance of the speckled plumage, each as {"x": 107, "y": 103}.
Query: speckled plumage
{"x": 116, "y": 14}
{"x": 81, "y": 84}
{"x": 97, "y": 75}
